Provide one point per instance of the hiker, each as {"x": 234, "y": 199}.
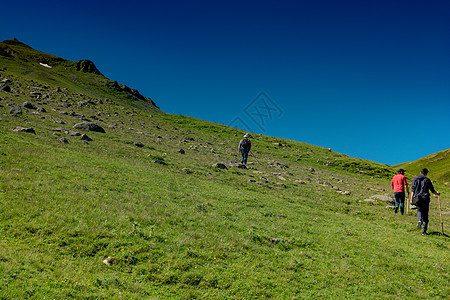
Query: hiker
{"x": 421, "y": 186}
{"x": 244, "y": 148}
{"x": 398, "y": 184}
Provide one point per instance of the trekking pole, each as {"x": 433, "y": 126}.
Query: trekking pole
{"x": 440, "y": 213}
{"x": 407, "y": 204}
{"x": 254, "y": 157}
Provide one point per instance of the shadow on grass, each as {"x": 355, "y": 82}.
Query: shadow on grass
{"x": 439, "y": 234}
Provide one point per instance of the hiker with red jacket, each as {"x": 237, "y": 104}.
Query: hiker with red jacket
{"x": 244, "y": 147}
{"x": 399, "y": 184}
{"x": 421, "y": 186}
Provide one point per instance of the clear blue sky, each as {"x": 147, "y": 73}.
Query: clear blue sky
{"x": 370, "y": 79}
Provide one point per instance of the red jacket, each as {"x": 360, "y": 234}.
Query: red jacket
{"x": 398, "y": 183}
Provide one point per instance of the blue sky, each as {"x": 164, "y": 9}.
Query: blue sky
{"x": 370, "y": 79}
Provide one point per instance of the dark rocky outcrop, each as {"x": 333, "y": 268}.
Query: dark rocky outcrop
{"x": 84, "y": 137}
{"x": 220, "y": 166}
{"x": 5, "y": 88}
{"x": 30, "y": 105}
{"x": 87, "y": 66}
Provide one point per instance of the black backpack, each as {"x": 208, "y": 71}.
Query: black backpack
{"x": 245, "y": 143}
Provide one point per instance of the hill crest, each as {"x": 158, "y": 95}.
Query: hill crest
{"x": 20, "y": 60}
{"x": 437, "y": 163}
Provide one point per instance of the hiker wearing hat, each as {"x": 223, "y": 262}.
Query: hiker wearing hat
{"x": 421, "y": 186}
{"x": 244, "y": 147}
{"x": 399, "y": 184}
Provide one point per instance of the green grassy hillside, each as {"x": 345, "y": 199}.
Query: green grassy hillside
{"x": 437, "y": 163}
{"x": 20, "y": 61}
{"x": 125, "y": 215}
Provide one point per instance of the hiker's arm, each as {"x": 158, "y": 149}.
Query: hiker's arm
{"x": 433, "y": 190}
{"x": 412, "y": 195}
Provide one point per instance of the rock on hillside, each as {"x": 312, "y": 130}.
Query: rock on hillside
{"x": 89, "y": 126}
{"x": 87, "y": 66}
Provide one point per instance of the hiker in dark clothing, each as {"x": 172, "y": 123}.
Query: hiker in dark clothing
{"x": 244, "y": 147}
{"x": 421, "y": 186}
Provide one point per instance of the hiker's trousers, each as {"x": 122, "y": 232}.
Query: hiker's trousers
{"x": 422, "y": 214}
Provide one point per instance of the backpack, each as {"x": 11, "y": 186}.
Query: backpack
{"x": 245, "y": 143}
{"x": 416, "y": 200}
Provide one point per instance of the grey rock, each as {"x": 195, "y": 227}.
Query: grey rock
{"x": 383, "y": 198}
{"x": 73, "y": 133}
{"x": 23, "y": 129}
{"x": 89, "y": 126}
{"x": 17, "y": 110}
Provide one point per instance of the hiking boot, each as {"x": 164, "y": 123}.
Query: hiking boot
{"x": 402, "y": 211}
{"x": 425, "y": 233}
{"x": 396, "y": 210}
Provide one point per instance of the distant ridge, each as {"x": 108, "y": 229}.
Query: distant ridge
{"x": 81, "y": 76}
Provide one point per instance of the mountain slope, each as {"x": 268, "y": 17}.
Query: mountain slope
{"x": 81, "y": 77}
{"x": 437, "y": 163}
{"x": 123, "y": 213}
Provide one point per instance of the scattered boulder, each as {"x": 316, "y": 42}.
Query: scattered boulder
{"x": 181, "y": 151}
{"x": 60, "y": 129}
{"x": 370, "y": 200}
{"x": 232, "y": 164}
{"x": 344, "y": 192}
{"x": 86, "y": 103}
{"x": 30, "y": 105}
{"x": 63, "y": 140}
{"x": 383, "y": 198}
{"x": 109, "y": 261}
{"x": 91, "y": 126}
{"x": 84, "y": 137}
{"x": 161, "y": 162}
{"x": 72, "y": 133}
{"x": 138, "y": 144}
{"x": 36, "y": 94}
{"x": 267, "y": 180}
{"x": 16, "y": 110}
{"x": 5, "y": 88}
{"x": 220, "y": 166}
{"x": 23, "y": 129}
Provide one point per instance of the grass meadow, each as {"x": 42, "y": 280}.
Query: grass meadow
{"x": 186, "y": 230}
{"x": 127, "y": 216}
